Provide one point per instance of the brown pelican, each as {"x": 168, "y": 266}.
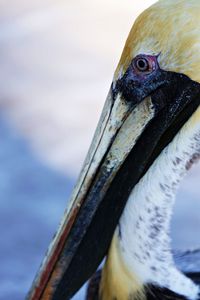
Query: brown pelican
{"x": 147, "y": 138}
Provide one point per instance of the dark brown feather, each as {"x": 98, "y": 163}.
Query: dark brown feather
{"x": 156, "y": 293}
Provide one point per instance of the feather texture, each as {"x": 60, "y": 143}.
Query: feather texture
{"x": 187, "y": 261}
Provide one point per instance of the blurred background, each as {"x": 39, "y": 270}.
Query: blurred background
{"x": 57, "y": 60}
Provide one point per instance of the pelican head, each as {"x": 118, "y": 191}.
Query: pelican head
{"x": 147, "y": 137}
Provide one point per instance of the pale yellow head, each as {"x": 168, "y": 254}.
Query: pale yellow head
{"x": 171, "y": 28}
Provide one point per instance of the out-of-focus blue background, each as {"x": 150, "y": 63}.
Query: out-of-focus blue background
{"x": 57, "y": 59}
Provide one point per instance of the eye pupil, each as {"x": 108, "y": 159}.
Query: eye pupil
{"x": 142, "y": 64}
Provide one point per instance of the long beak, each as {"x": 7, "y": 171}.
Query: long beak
{"x": 77, "y": 240}
{"x": 128, "y": 138}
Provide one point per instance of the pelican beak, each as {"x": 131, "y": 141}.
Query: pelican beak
{"x": 87, "y": 227}
{"x": 137, "y": 122}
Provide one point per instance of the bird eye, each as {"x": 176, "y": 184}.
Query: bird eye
{"x": 142, "y": 64}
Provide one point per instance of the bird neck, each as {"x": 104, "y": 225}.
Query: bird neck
{"x": 141, "y": 250}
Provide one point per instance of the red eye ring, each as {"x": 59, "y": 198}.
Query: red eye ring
{"x": 142, "y": 64}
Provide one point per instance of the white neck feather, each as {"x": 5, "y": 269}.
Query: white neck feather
{"x": 143, "y": 230}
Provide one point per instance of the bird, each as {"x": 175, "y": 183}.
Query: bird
{"x": 147, "y": 139}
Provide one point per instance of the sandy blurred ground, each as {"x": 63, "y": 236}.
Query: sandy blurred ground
{"x": 57, "y": 59}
